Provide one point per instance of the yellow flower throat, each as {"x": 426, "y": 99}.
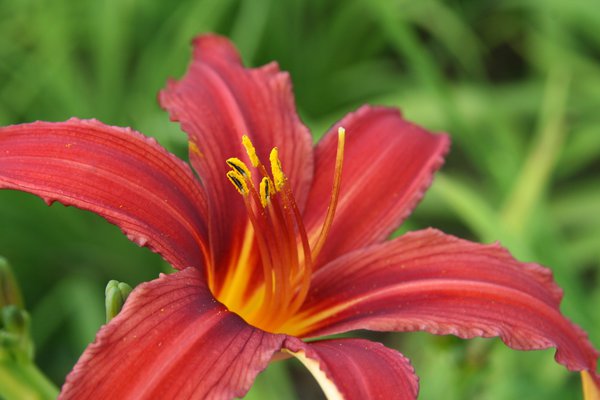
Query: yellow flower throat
{"x": 276, "y": 242}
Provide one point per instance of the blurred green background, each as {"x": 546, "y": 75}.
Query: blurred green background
{"x": 516, "y": 83}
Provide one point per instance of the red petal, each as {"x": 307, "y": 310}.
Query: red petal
{"x": 437, "y": 283}
{"x": 172, "y": 340}
{"x": 388, "y": 165}
{"x": 216, "y": 103}
{"x": 117, "y": 173}
{"x": 357, "y": 369}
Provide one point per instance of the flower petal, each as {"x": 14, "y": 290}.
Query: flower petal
{"x": 434, "y": 282}
{"x": 172, "y": 340}
{"x": 388, "y": 165}
{"x": 357, "y": 369}
{"x": 216, "y": 103}
{"x": 117, "y": 173}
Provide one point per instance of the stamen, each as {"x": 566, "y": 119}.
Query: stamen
{"x": 304, "y": 275}
{"x": 250, "y": 150}
{"x": 335, "y": 191}
{"x": 259, "y": 229}
{"x": 239, "y": 166}
{"x": 276, "y": 169}
{"x": 265, "y": 191}
{"x": 238, "y": 181}
{"x": 298, "y": 278}
{"x": 280, "y": 252}
{"x": 268, "y": 231}
{"x": 284, "y": 249}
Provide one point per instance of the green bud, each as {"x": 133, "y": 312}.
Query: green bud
{"x": 15, "y": 341}
{"x": 9, "y": 290}
{"x": 115, "y": 295}
{"x": 125, "y": 290}
{"x": 8, "y": 340}
{"x": 14, "y": 335}
{"x": 15, "y": 320}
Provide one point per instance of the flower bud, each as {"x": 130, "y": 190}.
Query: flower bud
{"x": 9, "y": 290}
{"x": 115, "y": 295}
{"x": 14, "y": 333}
{"x": 15, "y": 320}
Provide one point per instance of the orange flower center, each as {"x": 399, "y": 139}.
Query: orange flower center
{"x": 269, "y": 280}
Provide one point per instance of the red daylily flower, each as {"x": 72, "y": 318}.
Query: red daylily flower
{"x": 296, "y": 248}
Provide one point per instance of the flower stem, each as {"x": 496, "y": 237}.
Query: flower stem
{"x": 20, "y": 380}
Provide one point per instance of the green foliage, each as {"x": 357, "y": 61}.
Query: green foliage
{"x": 516, "y": 83}
{"x": 19, "y": 377}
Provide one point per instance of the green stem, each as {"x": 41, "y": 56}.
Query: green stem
{"x": 24, "y": 381}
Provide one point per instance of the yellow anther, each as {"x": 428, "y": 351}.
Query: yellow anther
{"x": 265, "y": 191}
{"x": 276, "y": 170}
{"x": 239, "y": 166}
{"x": 250, "y": 150}
{"x": 238, "y": 181}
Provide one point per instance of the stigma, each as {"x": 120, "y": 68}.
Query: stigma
{"x": 276, "y": 247}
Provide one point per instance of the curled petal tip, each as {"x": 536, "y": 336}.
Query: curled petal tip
{"x": 215, "y": 46}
